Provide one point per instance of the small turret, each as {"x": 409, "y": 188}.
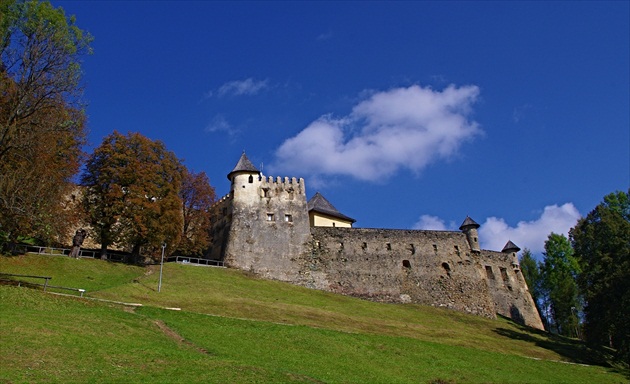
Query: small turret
{"x": 469, "y": 227}
{"x": 510, "y": 247}
{"x": 243, "y": 166}
{"x": 245, "y": 178}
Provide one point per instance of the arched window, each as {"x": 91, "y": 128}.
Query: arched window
{"x": 251, "y": 179}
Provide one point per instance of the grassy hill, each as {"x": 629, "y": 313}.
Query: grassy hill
{"x": 234, "y": 327}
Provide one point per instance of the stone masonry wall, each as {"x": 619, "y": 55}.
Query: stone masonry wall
{"x": 508, "y": 288}
{"x": 435, "y": 268}
{"x": 428, "y": 267}
{"x": 269, "y": 228}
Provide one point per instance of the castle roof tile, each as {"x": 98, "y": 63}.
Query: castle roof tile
{"x": 468, "y": 222}
{"x": 243, "y": 165}
{"x": 510, "y": 247}
{"x": 318, "y": 203}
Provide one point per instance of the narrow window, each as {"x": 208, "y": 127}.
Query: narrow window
{"x": 270, "y": 217}
{"x": 489, "y": 272}
{"x": 334, "y": 224}
{"x": 288, "y": 218}
{"x": 457, "y": 250}
{"x": 251, "y": 179}
{"x": 504, "y": 275}
{"x": 265, "y": 192}
{"x": 364, "y": 246}
{"x": 406, "y": 264}
{"x": 435, "y": 248}
{"x": 412, "y": 249}
{"x": 447, "y": 268}
{"x": 340, "y": 245}
{"x": 388, "y": 246}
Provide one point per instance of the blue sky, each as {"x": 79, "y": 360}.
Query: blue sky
{"x": 402, "y": 114}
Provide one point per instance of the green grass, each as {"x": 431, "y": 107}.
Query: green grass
{"x": 236, "y": 328}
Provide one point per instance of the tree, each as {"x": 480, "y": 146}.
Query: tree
{"x": 602, "y": 245}
{"x": 197, "y": 197}
{"x": 132, "y": 193}
{"x": 533, "y": 277}
{"x": 559, "y": 271}
{"x": 41, "y": 118}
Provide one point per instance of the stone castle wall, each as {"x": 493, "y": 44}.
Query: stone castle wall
{"x": 263, "y": 226}
{"x": 510, "y": 294}
{"x": 269, "y": 226}
{"x": 435, "y": 268}
{"x": 429, "y": 267}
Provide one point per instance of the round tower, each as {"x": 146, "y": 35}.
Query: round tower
{"x": 512, "y": 249}
{"x": 469, "y": 227}
{"x": 245, "y": 178}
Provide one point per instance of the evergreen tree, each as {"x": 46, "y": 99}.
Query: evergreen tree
{"x": 559, "y": 271}
{"x": 602, "y": 245}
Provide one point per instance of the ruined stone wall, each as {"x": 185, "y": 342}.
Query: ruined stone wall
{"x": 508, "y": 288}
{"x": 435, "y": 268}
{"x": 221, "y": 216}
{"x": 269, "y": 226}
{"x": 428, "y": 267}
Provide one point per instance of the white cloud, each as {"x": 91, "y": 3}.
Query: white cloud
{"x": 400, "y": 128}
{"x": 246, "y": 87}
{"x": 428, "y": 222}
{"x": 220, "y": 124}
{"x": 494, "y": 232}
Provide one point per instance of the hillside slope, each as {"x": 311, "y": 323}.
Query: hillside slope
{"x": 260, "y": 331}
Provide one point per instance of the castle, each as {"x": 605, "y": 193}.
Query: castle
{"x": 266, "y": 226}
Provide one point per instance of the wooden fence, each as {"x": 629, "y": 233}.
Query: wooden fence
{"x": 19, "y": 280}
{"x": 114, "y": 256}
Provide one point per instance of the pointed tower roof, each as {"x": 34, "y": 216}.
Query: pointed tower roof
{"x": 318, "y": 203}
{"x": 510, "y": 247}
{"x": 468, "y": 222}
{"x": 243, "y": 166}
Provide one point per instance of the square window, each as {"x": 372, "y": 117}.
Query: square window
{"x": 270, "y": 217}
{"x": 288, "y": 218}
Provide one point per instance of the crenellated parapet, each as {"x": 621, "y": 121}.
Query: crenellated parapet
{"x": 278, "y": 186}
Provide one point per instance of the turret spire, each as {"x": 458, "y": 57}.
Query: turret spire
{"x": 243, "y": 166}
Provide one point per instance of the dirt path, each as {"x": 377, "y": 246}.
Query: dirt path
{"x": 177, "y": 337}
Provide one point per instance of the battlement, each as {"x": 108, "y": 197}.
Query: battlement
{"x": 271, "y": 187}
{"x": 221, "y": 200}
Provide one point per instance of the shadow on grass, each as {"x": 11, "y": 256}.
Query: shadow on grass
{"x": 574, "y": 350}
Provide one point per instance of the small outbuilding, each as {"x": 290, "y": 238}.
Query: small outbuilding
{"x": 323, "y": 214}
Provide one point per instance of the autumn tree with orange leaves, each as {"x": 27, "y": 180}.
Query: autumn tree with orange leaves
{"x": 41, "y": 119}
{"x": 197, "y": 197}
{"x": 132, "y": 187}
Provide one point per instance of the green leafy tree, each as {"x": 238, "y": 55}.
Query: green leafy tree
{"x": 197, "y": 197}
{"x": 602, "y": 245}
{"x": 132, "y": 194}
{"x": 41, "y": 118}
{"x": 559, "y": 271}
